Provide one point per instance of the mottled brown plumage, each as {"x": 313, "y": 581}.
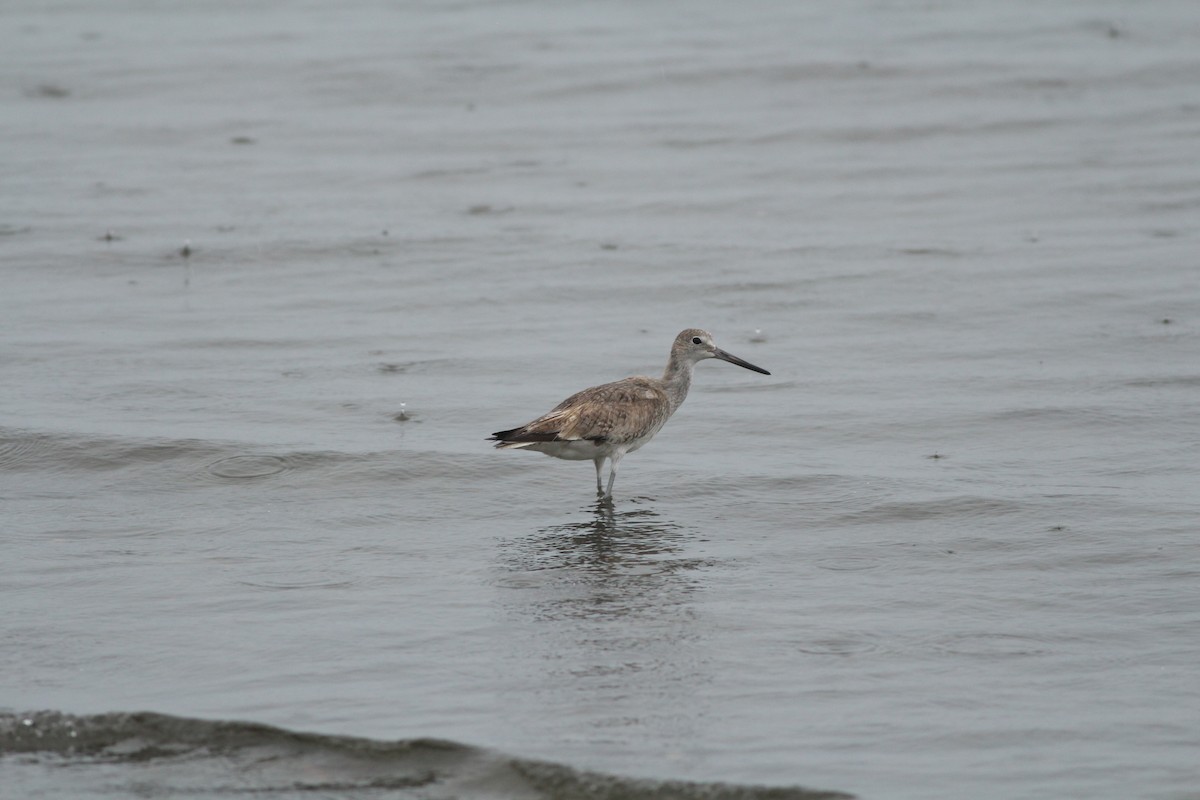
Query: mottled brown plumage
{"x": 621, "y": 411}
{"x": 610, "y": 420}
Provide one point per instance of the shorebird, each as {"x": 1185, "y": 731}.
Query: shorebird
{"x": 605, "y": 422}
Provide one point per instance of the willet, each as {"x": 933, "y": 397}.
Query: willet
{"x": 610, "y": 420}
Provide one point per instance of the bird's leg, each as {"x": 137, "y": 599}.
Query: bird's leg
{"x": 613, "y": 461}
{"x": 599, "y": 462}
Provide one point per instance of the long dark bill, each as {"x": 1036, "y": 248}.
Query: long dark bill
{"x": 721, "y": 354}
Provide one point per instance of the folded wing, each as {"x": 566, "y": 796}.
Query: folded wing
{"x": 613, "y": 412}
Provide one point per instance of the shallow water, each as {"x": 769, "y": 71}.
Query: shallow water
{"x": 272, "y": 274}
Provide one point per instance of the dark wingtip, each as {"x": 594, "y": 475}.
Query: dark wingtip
{"x": 521, "y": 435}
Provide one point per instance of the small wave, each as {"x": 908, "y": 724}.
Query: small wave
{"x": 848, "y": 563}
{"x": 1079, "y": 417}
{"x": 773, "y": 386}
{"x": 158, "y": 756}
{"x": 17, "y": 450}
{"x": 30, "y": 450}
{"x": 964, "y": 506}
{"x": 1167, "y": 381}
{"x": 992, "y": 645}
{"x": 200, "y": 462}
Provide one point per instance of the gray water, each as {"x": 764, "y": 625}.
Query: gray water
{"x": 272, "y": 272}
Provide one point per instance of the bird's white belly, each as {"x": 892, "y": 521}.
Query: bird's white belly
{"x": 571, "y": 451}
{"x": 582, "y": 450}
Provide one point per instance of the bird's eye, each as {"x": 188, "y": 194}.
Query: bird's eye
{"x": 695, "y": 340}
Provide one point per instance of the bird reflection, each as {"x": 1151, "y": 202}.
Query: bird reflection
{"x": 605, "y": 625}
{"x": 607, "y": 563}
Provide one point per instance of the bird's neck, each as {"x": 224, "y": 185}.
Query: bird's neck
{"x": 677, "y": 379}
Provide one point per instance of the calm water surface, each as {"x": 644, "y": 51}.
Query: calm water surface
{"x": 273, "y": 273}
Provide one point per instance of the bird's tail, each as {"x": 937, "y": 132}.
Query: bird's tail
{"x": 519, "y": 437}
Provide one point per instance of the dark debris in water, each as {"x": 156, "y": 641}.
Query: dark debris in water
{"x": 484, "y": 208}
{"x": 51, "y": 90}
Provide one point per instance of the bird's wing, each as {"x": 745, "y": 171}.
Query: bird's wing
{"x": 613, "y": 412}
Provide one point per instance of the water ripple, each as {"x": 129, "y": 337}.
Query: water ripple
{"x": 250, "y": 466}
